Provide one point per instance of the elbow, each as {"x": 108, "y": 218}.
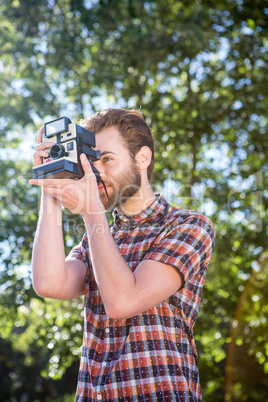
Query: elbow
{"x": 117, "y": 315}
{"x": 39, "y": 282}
{"x": 40, "y": 289}
{"x": 118, "y": 310}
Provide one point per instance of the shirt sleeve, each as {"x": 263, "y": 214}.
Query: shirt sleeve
{"x": 81, "y": 251}
{"x": 186, "y": 244}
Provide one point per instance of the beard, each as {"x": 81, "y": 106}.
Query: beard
{"x": 121, "y": 188}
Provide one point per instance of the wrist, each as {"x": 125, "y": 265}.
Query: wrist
{"x": 95, "y": 217}
{"x": 96, "y": 226}
{"x": 93, "y": 210}
{"x": 50, "y": 205}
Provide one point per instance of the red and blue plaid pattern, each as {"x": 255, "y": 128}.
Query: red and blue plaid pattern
{"x": 152, "y": 356}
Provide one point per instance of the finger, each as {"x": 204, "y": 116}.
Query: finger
{"x": 36, "y": 182}
{"x": 37, "y": 156}
{"x": 40, "y": 135}
{"x": 52, "y": 183}
{"x": 85, "y": 164}
{"x": 44, "y": 145}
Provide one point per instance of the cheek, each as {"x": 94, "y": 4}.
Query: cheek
{"x": 109, "y": 174}
{"x": 113, "y": 169}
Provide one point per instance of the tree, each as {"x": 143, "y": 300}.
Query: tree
{"x": 246, "y": 363}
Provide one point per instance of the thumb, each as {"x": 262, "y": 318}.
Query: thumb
{"x": 88, "y": 168}
{"x": 85, "y": 164}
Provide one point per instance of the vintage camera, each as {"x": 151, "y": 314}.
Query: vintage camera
{"x": 71, "y": 141}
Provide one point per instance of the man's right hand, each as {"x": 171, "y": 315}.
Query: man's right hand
{"x": 40, "y": 152}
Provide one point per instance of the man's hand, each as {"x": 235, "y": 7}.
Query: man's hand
{"x": 79, "y": 196}
{"x": 40, "y": 152}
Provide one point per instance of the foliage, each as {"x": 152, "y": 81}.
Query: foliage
{"x": 197, "y": 70}
{"x": 247, "y": 357}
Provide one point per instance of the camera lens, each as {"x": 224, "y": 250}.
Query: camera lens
{"x": 57, "y": 151}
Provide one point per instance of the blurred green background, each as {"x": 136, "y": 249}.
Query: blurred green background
{"x": 198, "y": 71}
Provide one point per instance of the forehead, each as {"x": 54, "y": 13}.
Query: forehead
{"x": 110, "y": 139}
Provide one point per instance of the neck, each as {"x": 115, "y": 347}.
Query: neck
{"x": 138, "y": 202}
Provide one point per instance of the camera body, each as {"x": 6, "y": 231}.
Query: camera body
{"x": 71, "y": 140}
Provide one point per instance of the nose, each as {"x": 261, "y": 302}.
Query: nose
{"x": 97, "y": 165}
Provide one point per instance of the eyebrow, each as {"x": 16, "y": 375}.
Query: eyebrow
{"x": 107, "y": 152}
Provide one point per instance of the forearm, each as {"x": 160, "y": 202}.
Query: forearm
{"x": 48, "y": 259}
{"x": 115, "y": 280}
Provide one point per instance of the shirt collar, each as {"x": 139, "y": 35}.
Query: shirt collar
{"x": 156, "y": 210}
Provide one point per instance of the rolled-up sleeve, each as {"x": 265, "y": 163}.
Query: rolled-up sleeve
{"x": 186, "y": 245}
{"x": 81, "y": 251}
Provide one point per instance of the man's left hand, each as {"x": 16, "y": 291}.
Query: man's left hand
{"x": 79, "y": 196}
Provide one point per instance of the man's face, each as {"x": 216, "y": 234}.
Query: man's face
{"x": 118, "y": 170}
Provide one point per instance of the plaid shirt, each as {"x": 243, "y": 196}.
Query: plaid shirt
{"x": 151, "y": 356}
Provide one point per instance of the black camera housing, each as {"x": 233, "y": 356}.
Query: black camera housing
{"x": 71, "y": 140}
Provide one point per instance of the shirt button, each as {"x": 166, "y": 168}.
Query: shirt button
{"x": 99, "y": 397}
{"x": 107, "y": 330}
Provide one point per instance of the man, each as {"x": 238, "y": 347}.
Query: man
{"x": 142, "y": 279}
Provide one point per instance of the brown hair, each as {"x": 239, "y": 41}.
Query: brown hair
{"x": 132, "y": 127}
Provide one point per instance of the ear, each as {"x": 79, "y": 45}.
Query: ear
{"x": 143, "y": 158}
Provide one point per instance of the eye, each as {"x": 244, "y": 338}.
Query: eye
{"x": 106, "y": 159}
